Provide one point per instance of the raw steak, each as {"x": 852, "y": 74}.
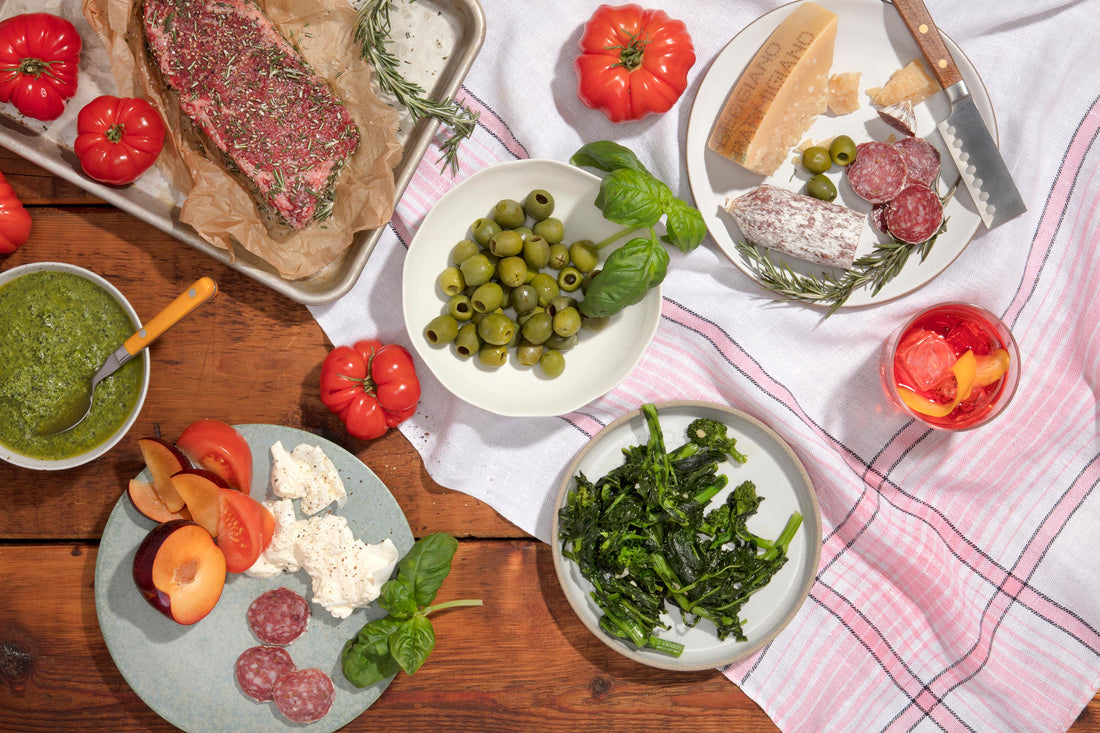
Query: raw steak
{"x": 250, "y": 91}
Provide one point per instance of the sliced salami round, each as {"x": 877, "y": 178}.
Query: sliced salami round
{"x": 914, "y": 215}
{"x": 922, "y": 160}
{"x": 878, "y": 172}
{"x": 304, "y": 695}
{"x": 878, "y": 217}
{"x": 278, "y": 616}
{"x": 259, "y": 668}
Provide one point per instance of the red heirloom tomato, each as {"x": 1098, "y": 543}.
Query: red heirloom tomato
{"x": 118, "y": 138}
{"x": 218, "y": 447}
{"x": 39, "y": 59}
{"x": 15, "y": 221}
{"x": 370, "y": 386}
{"x": 633, "y": 61}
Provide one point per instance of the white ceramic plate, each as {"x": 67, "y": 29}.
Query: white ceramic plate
{"x": 779, "y": 477}
{"x": 871, "y": 39}
{"x": 186, "y": 673}
{"x": 598, "y": 363}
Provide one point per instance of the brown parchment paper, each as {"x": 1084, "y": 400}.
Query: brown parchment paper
{"x": 219, "y": 205}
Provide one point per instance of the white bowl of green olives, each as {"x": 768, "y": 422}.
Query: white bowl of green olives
{"x": 492, "y": 287}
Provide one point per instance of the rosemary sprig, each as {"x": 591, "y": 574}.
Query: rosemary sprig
{"x": 372, "y": 30}
{"x": 875, "y": 270}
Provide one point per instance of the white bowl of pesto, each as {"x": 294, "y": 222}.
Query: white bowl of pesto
{"x": 58, "y": 323}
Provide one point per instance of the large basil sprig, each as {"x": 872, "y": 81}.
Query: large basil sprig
{"x": 631, "y": 196}
{"x": 403, "y": 639}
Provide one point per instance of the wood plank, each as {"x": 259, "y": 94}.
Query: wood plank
{"x": 210, "y": 365}
{"x": 34, "y": 185}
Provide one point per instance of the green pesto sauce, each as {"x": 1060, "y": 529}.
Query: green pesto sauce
{"x": 56, "y": 330}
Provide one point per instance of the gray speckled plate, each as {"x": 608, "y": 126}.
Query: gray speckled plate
{"x": 186, "y": 673}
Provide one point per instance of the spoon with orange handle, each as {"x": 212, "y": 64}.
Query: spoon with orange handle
{"x": 75, "y": 411}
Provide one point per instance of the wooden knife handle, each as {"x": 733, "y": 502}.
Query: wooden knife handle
{"x": 919, "y": 22}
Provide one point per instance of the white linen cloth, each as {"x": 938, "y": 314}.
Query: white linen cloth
{"x": 958, "y": 583}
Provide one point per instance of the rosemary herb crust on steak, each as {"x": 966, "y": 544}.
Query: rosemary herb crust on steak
{"x": 275, "y": 120}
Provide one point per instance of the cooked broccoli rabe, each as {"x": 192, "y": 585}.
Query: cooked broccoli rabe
{"x": 644, "y": 535}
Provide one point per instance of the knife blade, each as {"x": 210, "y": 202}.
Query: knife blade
{"x": 969, "y": 141}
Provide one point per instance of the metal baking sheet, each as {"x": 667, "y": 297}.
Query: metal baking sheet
{"x": 438, "y": 38}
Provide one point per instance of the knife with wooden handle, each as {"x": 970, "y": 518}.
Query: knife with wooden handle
{"x": 969, "y": 141}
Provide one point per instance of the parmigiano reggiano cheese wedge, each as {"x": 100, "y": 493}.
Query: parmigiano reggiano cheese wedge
{"x": 780, "y": 92}
{"x": 912, "y": 84}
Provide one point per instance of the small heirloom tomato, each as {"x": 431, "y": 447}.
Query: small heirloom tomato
{"x": 39, "y": 61}
{"x": 370, "y": 386}
{"x": 118, "y": 138}
{"x": 15, "y": 221}
{"x": 633, "y": 61}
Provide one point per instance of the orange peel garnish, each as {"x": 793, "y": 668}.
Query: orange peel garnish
{"x": 965, "y": 370}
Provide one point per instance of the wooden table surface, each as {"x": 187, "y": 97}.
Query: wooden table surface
{"x": 522, "y": 662}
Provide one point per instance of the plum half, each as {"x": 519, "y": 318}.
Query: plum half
{"x": 180, "y": 570}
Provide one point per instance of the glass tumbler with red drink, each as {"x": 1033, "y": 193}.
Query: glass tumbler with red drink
{"x": 954, "y": 366}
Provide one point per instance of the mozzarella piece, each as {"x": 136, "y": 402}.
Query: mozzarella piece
{"x": 306, "y": 474}
{"x": 279, "y": 555}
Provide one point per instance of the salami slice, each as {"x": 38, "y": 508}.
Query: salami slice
{"x": 801, "y": 226}
{"x": 914, "y": 215}
{"x": 922, "y": 160}
{"x": 878, "y": 172}
{"x": 304, "y": 695}
{"x": 278, "y": 616}
{"x": 899, "y": 116}
{"x": 878, "y": 217}
{"x": 259, "y": 668}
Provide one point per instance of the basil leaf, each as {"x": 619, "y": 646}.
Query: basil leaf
{"x": 411, "y": 644}
{"x": 426, "y": 565}
{"x": 627, "y": 275}
{"x": 631, "y": 199}
{"x": 607, "y": 156}
{"x": 684, "y": 225}
{"x": 366, "y": 659}
{"x": 397, "y": 598}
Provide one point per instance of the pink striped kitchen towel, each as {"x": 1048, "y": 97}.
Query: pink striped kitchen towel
{"x": 958, "y": 584}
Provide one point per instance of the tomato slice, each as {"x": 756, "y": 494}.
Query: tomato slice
{"x": 217, "y": 447}
{"x": 240, "y": 529}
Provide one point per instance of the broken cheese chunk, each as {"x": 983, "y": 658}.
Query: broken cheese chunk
{"x": 844, "y": 93}
{"x": 780, "y": 92}
{"x": 911, "y": 84}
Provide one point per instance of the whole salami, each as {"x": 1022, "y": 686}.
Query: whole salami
{"x": 304, "y": 696}
{"x": 878, "y": 173}
{"x": 259, "y": 668}
{"x": 278, "y": 616}
{"x": 801, "y": 226}
{"x": 914, "y": 215}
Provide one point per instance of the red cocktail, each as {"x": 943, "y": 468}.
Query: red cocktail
{"x": 954, "y": 366}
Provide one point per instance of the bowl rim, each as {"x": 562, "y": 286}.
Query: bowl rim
{"x": 9, "y": 455}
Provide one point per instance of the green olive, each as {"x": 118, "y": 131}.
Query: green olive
{"x": 483, "y": 230}
{"x": 816, "y": 159}
{"x": 462, "y": 250}
{"x": 459, "y": 308}
{"x": 523, "y": 231}
{"x": 496, "y": 329}
{"x": 466, "y": 342}
{"x": 441, "y": 330}
{"x": 528, "y": 354}
{"x": 452, "y": 281}
{"x": 493, "y": 356}
{"x": 552, "y": 363}
{"x": 536, "y": 252}
{"x": 539, "y": 204}
{"x": 842, "y": 151}
{"x": 550, "y": 229}
{"x": 524, "y": 299}
{"x": 569, "y": 279}
{"x": 820, "y": 187}
{"x": 522, "y": 318}
{"x": 560, "y": 303}
{"x": 509, "y": 214}
{"x": 567, "y": 322}
{"x": 584, "y": 255}
{"x": 559, "y": 256}
{"x": 546, "y": 287}
{"x": 488, "y": 297}
{"x": 512, "y": 271}
{"x": 476, "y": 270}
{"x": 506, "y": 243}
{"x": 538, "y": 328}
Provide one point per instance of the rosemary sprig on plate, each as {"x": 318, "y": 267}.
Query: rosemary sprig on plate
{"x": 875, "y": 270}
{"x": 372, "y": 30}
